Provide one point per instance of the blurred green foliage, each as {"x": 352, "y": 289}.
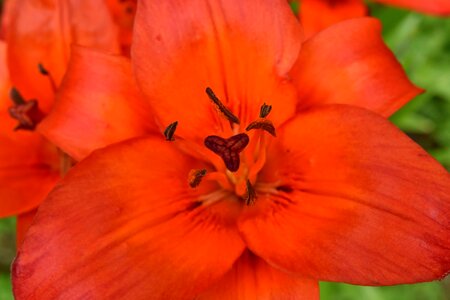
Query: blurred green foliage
{"x": 424, "y": 291}
{"x": 7, "y": 252}
{"x": 422, "y": 44}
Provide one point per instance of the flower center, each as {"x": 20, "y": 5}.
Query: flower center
{"x": 241, "y": 156}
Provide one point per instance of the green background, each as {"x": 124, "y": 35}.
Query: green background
{"x": 422, "y": 44}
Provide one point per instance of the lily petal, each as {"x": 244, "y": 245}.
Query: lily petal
{"x": 5, "y": 18}
{"x": 132, "y": 229}
{"x": 27, "y": 168}
{"x": 241, "y": 49}
{"x": 251, "y": 279}
{"x": 435, "y": 7}
{"x": 24, "y": 221}
{"x": 4, "y": 79}
{"x": 357, "y": 202}
{"x": 316, "y": 15}
{"x": 98, "y": 104}
{"x": 42, "y": 32}
{"x": 348, "y": 63}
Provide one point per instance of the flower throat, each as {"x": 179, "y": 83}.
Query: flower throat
{"x": 239, "y": 175}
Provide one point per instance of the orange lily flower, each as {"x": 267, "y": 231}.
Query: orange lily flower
{"x": 38, "y": 37}
{"x": 275, "y": 175}
{"x": 317, "y": 15}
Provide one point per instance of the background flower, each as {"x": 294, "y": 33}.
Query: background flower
{"x": 319, "y": 14}
{"x": 35, "y": 51}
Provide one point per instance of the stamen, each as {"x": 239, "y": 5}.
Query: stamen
{"x": 170, "y": 131}
{"x": 42, "y": 70}
{"x": 250, "y": 195}
{"x": 263, "y": 124}
{"x": 223, "y": 109}
{"x": 45, "y": 72}
{"x": 267, "y": 187}
{"x": 228, "y": 149}
{"x": 26, "y": 112}
{"x": 196, "y": 176}
{"x": 213, "y": 197}
{"x": 265, "y": 110}
{"x": 16, "y": 97}
{"x": 260, "y": 160}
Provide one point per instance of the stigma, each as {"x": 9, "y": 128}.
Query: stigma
{"x": 27, "y": 113}
{"x": 228, "y": 149}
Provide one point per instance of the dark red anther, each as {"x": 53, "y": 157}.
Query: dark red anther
{"x": 265, "y": 110}
{"x": 196, "y": 176}
{"x": 263, "y": 124}
{"x": 43, "y": 70}
{"x": 26, "y": 112}
{"x": 228, "y": 149}
{"x": 169, "y": 132}
{"x": 221, "y": 107}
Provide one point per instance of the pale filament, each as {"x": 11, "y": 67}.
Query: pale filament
{"x": 260, "y": 156}
{"x": 267, "y": 187}
{"x": 52, "y": 84}
{"x": 213, "y": 197}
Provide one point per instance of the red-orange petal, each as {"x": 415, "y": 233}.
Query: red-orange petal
{"x": 435, "y": 7}
{"x": 124, "y": 224}
{"x": 28, "y": 168}
{"x": 3, "y": 23}
{"x": 23, "y": 186}
{"x": 316, "y": 15}
{"x": 42, "y": 31}
{"x": 348, "y": 63}
{"x": 251, "y": 279}
{"x": 23, "y": 223}
{"x": 5, "y": 17}
{"x": 4, "y": 79}
{"x": 357, "y": 202}
{"x": 241, "y": 49}
{"x": 98, "y": 104}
